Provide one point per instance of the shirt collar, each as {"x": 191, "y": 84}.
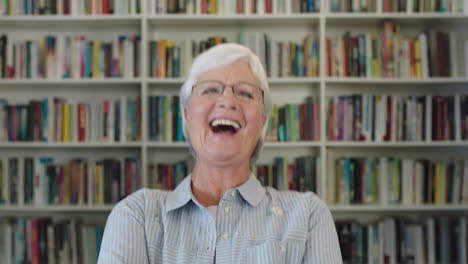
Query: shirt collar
{"x": 252, "y": 191}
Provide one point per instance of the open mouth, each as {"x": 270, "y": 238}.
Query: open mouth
{"x": 224, "y": 126}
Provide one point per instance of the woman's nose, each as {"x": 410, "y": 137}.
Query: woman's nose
{"x": 227, "y": 99}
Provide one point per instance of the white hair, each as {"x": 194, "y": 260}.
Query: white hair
{"x": 218, "y": 57}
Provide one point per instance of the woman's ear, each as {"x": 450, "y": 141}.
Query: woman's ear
{"x": 186, "y": 114}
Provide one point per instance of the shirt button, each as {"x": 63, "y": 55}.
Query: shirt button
{"x": 227, "y": 209}
{"x": 225, "y": 236}
{"x": 282, "y": 248}
{"x": 233, "y": 193}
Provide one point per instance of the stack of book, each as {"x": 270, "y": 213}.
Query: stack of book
{"x": 400, "y": 240}
{"x": 396, "y": 181}
{"x": 166, "y": 176}
{"x": 301, "y": 175}
{"x": 41, "y": 181}
{"x": 295, "y": 122}
{"x": 397, "y": 118}
{"x": 46, "y": 240}
{"x": 279, "y": 58}
{"x": 408, "y": 6}
{"x": 236, "y": 7}
{"x": 65, "y": 57}
{"x": 54, "y": 119}
{"x": 70, "y": 7}
{"x": 390, "y": 54}
{"x": 165, "y": 119}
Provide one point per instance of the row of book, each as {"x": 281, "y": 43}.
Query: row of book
{"x": 64, "y": 57}
{"x": 401, "y": 240}
{"x": 408, "y": 6}
{"x": 165, "y": 115}
{"x": 380, "y": 118}
{"x": 391, "y": 54}
{"x": 69, "y": 7}
{"x": 301, "y": 174}
{"x": 280, "y": 58}
{"x": 54, "y": 119}
{"x": 80, "y": 181}
{"x": 396, "y": 181}
{"x": 169, "y": 59}
{"x": 221, "y": 7}
{"x": 47, "y": 240}
{"x": 295, "y": 122}
{"x": 166, "y": 176}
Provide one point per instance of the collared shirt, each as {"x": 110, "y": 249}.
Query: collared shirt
{"x": 254, "y": 224}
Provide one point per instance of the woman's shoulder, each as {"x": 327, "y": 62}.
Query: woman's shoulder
{"x": 143, "y": 201}
{"x": 308, "y": 202}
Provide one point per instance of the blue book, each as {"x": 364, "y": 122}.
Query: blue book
{"x": 310, "y": 6}
{"x": 362, "y": 55}
{"x": 88, "y": 60}
{"x": 180, "y": 129}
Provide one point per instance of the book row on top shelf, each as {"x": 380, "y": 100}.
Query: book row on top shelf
{"x": 260, "y": 7}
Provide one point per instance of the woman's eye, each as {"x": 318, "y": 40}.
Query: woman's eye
{"x": 246, "y": 95}
{"x": 211, "y": 90}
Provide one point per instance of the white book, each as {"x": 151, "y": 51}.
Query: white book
{"x": 419, "y": 125}
{"x": 381, "y": 239}
{"x": 73, "y": 240}
{"x": 129, "y": 60}
{"x": 430, "y": 241}
{"x": 409, "y": 6}
{"x": 289, "y": 6}
{"x": 220, "y": 7}
{"x": 356, "y": 6}
{"x": 418, "y": 244}
{"x": 260, "y": 7}
{"x": 418, "y": 200}
{"x": 285, "y": 60}
{"x": 465, "y": 7}
{"x": 457, "y": 184}
{"x": 275, "y": 6}
{"x": 152, "y": 7}
{"x": 407, "y": 181}
{"x": 379, "y": 6}
{"x": 133, "y": 7}
{"x": 453, "y": 43}
{"x": 50, "y": 244}
{"x": 383, "y": 181}
{"x": 9, "y": 57}
{"x": 393, "y": 125}
{"x": 18, "y": 48}
{"x": 405, "y": 69}
{"x": 370, "y": 244}
{"x": 424, "y": 59}
{"x": 247, "y": 6}
{"x": 60, "y": 7}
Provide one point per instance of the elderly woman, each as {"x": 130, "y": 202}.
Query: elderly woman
{"x": 220, "y": 213}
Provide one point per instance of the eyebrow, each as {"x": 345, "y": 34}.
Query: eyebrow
{"x": 247, "y": 82}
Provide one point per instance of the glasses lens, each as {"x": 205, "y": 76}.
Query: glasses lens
{"x": 209, "y": 88}
{"x": 247, "y": 91}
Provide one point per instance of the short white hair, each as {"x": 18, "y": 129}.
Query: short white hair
{"x": 218, "y": 57}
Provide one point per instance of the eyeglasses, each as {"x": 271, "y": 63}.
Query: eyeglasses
{"x": 242, "y": 90}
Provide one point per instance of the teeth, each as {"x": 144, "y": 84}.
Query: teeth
{"x": 225, "y": 122}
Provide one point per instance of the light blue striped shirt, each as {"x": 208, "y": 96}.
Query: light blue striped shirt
{"x": 254, "y": 224}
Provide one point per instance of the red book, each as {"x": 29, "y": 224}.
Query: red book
{"x": 105, "y": 7}
{"x": 268, "y": 7}
{"x": 82, "y": 42}
{"x": 441, "y": 54}
{"x": 291, "y": 168}
{"x": 331, "y": 122}
{"x": 35, "y": 241}
{"x": 37, "y": 122}
{"x": 387, "y": 6}
{"x": 329, "y": 60}
{"x": 204, "y": 6}
{"x": 388, "y": 127}
{"x": 316, "y": 121}
{"x": 66, "y": 7}
{"x": 170, "y": 177}
{"x": 81, "y": 122}
{"x": 240, "y": 7}
{"x": 128, "y": 177}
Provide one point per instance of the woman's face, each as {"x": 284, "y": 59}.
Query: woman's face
{"x": 225, "y": 128}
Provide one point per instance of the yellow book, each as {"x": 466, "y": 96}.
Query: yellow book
{"x": 375, "y": 60}
{"x": 417, "y": 54}
{"x": 443, "y": 183}
{"x": 213, "y": 6}
{"x": 99, "y": 195}
{"x": 66, "y": 123}
{"x": 67, "y": 184}
{"x": 96, "y": 58}
{"x": 42, "y": 57}
{"x": 72, "y": 57}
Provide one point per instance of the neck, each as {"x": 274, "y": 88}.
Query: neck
{"x": 209, "y": 183}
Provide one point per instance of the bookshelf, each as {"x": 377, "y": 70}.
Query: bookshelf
{"x": 177, "y": 27}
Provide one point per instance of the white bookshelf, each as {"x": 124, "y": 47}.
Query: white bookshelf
{"x": 177, "y": 27}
